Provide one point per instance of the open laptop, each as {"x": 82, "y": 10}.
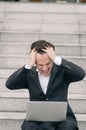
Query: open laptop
{"x": 46, "y": 111}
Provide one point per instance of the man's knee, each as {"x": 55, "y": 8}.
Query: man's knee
{"x": 46, "y": 126}
{"x": 29, "y": 126}
{"x": 66, "y": 125}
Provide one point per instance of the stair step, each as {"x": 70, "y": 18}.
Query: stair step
{"x": 36, "y": 17}
{"x": 21, "y": 94}
{"x": 65, "y": 28}
{"x": 44, "y": 17}
{"x": 21, "y": 116}
{"x": 5, "y": 73}
{"x": 18, "y": 102}
{"x": 12, "y": 115}
{"x": 29, "y": 7}
{"x": 16, "y": 61}
{"x": 73, "y": 50}
{"x": 15, "y": 36}
{"x": 78, "y": 87}
{"x": 19, "y": 26}
{"x": 10, "y": 119}
{"x": 16, "y": 14}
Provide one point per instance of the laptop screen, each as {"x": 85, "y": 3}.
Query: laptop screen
{"x": 46, "y": 111}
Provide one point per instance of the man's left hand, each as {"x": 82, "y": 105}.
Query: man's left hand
{"x": 51, "y": 53}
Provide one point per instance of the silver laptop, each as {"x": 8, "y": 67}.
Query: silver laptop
{"x": 46, "y": 111}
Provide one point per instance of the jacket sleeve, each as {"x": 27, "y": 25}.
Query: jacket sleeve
{"x": 73, "y": 72}
{"x": 18, "y": 80}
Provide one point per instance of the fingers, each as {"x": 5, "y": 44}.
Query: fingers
{"x": 32, "y": 57}
{"x": 33, "y": 50}
{"x": 50, "y": 51}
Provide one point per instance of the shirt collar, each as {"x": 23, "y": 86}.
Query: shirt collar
{"x": 41, "y": 74}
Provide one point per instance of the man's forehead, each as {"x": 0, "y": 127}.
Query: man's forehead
{"x": 42, "y": 57}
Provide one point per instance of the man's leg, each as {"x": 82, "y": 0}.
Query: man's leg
{"x": 30, "y": 125}
{"x": 66, "y": 125}
{"x": 46, "y": 126}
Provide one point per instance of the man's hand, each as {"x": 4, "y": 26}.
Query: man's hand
{"x": 51, "y": 53}
{"x": 32, "y": 57}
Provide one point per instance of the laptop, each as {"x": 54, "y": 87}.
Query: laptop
{"x": 46, "y": 111}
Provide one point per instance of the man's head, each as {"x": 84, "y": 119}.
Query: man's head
{"x": 43, "y": 61}
{"x": 41, "y": 44}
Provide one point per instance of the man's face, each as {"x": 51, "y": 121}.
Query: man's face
{"x": 43, "y": 63}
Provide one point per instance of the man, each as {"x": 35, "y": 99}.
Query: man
{"x": 47, "y": 77}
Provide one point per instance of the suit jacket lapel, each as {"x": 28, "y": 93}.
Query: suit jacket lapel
{"x": 36, "y": 79}
{"x": 52, "y": 77}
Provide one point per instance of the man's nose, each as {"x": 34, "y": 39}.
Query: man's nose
{"x": 44, "y": 67}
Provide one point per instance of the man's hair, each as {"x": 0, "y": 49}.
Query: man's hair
{"x": 41, "y": 44}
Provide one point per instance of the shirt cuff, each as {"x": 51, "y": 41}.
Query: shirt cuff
{"x": 27, "y": 66}
{"x": 58, "y": 60}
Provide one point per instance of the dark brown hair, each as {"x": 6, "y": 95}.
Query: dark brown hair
{"x": 41, "y": 44}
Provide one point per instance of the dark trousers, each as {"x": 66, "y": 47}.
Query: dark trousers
{"x": 64, "y": 125}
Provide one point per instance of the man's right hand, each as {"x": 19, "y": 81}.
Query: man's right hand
{"x": 32, "y": 57}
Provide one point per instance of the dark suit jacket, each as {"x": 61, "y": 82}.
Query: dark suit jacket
{"x": 61, "y": 77}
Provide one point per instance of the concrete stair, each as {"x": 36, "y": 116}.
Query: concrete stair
{"x": 20, "y": 25}
{"x": 13, "y": 107}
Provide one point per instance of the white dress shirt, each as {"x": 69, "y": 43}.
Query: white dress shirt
{"x": 44, "y": 80}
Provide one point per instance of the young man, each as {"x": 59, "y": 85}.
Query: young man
{"x": 47, "y": 77}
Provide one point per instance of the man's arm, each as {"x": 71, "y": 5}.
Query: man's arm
{"x": 18, "y": 80}
{"x": 73, "y": 72}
